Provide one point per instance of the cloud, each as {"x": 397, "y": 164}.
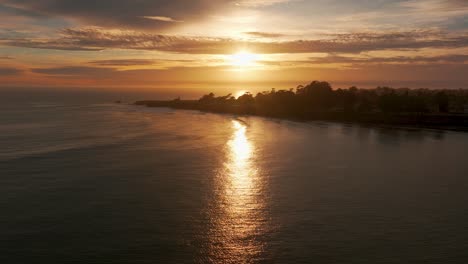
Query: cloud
{"x": 456, "y": 3}
{"x": 415, "y": 75}
{"x": 123, "y": 13}
{"x": 9, "y": 10}
{"x": 4, "y": 71}
{"x": 260, "y": 3}
{"x": 162, "y": 18}
{"x": 93, "y": 39}
{"x": 444, "y": 59}
{"x": 264, "y": 34}
{"x": 429, "y": 11}
{"x": 5, "y": 58}
{"x": 164, "y": 63}
{"x": 436, "y": 5}
{"x": 368, "y": 60}
{"x": 102, "y": 75}
{"x": 127, "y": 62}
{"x": 75, "y": 71}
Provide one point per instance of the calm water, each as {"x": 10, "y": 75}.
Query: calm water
{"x": 103, "y": 183}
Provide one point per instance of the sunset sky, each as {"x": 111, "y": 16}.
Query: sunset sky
{"x": 255, "y": 44}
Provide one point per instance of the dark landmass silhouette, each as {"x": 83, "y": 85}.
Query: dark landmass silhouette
{"x": 446, "y": 109}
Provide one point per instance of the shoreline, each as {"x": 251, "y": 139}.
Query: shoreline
{"x": 446, "y": 121}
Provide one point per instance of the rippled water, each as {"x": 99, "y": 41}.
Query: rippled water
{"x": 102, "y": 183}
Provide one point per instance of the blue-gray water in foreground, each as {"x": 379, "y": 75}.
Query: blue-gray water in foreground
{"x": 107, "y": 183}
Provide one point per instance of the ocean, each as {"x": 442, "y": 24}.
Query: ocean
{"x": 90, "y": 181}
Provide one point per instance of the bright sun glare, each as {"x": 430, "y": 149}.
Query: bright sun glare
{"x": 243, "y": 58}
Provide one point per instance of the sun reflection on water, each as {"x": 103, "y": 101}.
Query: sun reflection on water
{"x": 239, "y": 216}
{"x": 239, "y": 166}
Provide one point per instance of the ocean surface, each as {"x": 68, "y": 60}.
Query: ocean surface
{"x": 96, "y": 182}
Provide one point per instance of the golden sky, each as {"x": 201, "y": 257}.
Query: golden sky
{"x": 253, "y": 44}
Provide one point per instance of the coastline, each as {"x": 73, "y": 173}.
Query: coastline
{"x": 439, "y": 121}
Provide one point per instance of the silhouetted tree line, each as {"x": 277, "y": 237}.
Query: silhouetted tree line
{"x": 320, "y": 97}
{"x": 318, "y": 101}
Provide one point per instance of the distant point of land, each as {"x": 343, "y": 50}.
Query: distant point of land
{"x": 445, "y": 109}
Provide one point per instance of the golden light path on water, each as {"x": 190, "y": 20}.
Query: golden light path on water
{"x": 239, "y": 215}
{"x": 240, "y": 169}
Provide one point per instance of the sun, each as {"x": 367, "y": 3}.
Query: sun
{"x": 240, "y": 93}
{"x": 243, "y": 59}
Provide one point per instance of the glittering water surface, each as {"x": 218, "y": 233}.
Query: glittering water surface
{"x": 102, "y": 183}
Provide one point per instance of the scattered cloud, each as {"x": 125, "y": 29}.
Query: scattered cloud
{"x": 264, "y": 34}
{"x": 122, "y": 13}
{"x": 414, "y": 75}
{"x": 126, "y": 62}
{"x": 368, "y": 60}
{"x": 6, "y": 71}
{"x": 444, "y": 59}
{"x": 436, "y": 5}
{"x": 146, "y": 42}
{"x": 162, "y": 18}
{"x": 75, "y": 71}
{"x": 434, "y": 12}
{"x": 260, "y": 3}
{"x": 109, "y": 68}
{"x": 161, "y": 63}
{"x": 100, "y": 39}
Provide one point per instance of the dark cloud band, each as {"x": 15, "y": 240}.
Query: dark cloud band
{"x": 6, "y": 71}
{"x": 99, "y": 39}
{"x": 121, "y": 13}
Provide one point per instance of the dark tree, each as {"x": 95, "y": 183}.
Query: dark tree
{"x": 442, "y": 101}
{"x": 317, "y": 95}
